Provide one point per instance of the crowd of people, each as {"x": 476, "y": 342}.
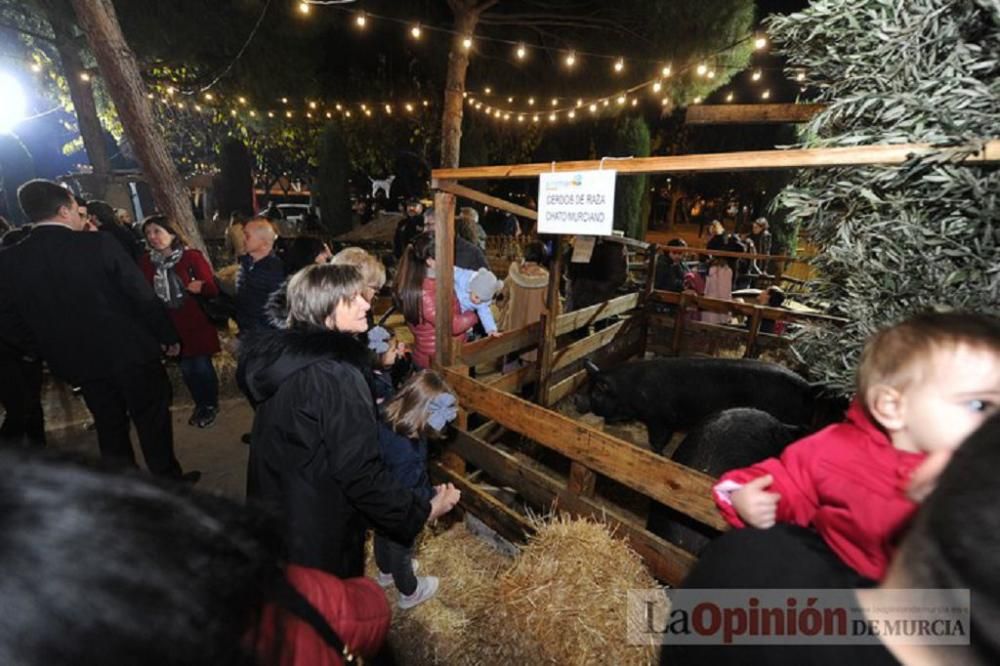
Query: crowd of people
{"x": 343, "y": 416}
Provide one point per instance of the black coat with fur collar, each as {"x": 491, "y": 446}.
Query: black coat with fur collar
{"x": 314, "y": 454}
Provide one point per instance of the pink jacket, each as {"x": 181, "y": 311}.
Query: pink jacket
{"x": 847, "y": 481}
{"x": 424, "y": 343}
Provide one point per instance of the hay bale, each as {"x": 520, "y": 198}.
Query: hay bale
{"x": 564, "y": 600}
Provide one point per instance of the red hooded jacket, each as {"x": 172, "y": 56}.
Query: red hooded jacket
{"x": 424, "y": 343}
{"x": 355, "y": 608}
{"x": 847, "y": 481}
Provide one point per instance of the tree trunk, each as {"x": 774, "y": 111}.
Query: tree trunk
{"x": 121, "y": 74}
{"x": 466, "y": 18}
{"x": 58, "y": 12}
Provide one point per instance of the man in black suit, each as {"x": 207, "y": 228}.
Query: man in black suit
{"x": 82, "y": 304}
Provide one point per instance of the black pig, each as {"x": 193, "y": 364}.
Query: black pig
{"x": 728, "y": 440}
{"x": 677, "y": 393}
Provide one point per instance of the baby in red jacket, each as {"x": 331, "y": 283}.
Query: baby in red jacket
{"x": 923, "y": 386}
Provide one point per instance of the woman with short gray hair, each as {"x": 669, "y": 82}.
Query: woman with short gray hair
{"x": 314, "y": 455}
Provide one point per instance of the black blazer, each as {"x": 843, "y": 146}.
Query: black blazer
{"x": 80, "y": 301}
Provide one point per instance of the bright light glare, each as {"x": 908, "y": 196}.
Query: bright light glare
{"x": 15, "y": 102}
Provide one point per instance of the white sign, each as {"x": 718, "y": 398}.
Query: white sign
{"x": 576, "y": 202}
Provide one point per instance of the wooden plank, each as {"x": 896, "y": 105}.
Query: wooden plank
{"x": 488, "y": 432}
{"x": 595, "y": 313}
{"x": 444, "y": 255}
{"x": 750, "y": 114}
{"x": 475, "y": 195}
{"x": 490, "y": 349}
{"x": 513, "y": 381}
{"x": 582, "y": 481}
{"x": 721, "y": 305}
{"x": 988, "y": 152}
{"x": 686, "y": 490}
{"x": 737, "y": 255}
{"x": 567, "y": 386}
{"x": 588, "y": 345}
{"x": 753, "y": 333}
{"x": 550, "y": 318}
{"x": 505, "y": 521}
{"x": 543, "y": 489}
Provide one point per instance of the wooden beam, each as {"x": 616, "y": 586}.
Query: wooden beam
{"x": 722, "y": 305}
{"x": 490, "y": 349}
{"x": 588, "y": 345}
{"x": 444, "y": 255}
{"x": 567, "y": 386}
{"x": 513, "y": 381}
{"x": 505, "y": 521}
{"x": 750, "y": 114}
{"x": 549, "y": 321}
{"x": 595, "y": 313}
{"x": 686, "y": 490}
{"x": 544, "y": 489}
{"x": 986, "y": 153}
{"x": 475, "y": 195}
{"x": 582, "y": 481}
{"x": 669, "y": 249}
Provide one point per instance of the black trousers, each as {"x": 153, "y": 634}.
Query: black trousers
{"x": 396, "y": 559}
{"x": 21, "y": 398}
{"x": 142, "y": 393}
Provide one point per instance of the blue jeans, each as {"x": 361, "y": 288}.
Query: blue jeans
{"x": 201, "y": 380}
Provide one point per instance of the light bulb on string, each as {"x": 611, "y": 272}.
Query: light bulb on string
{"x": 756, "y": 75}
{"x": 657, "y": 87}
{"x": 665, "y": 101}
{"x": 760, "y": 42}
{"x": 697, "y": 100}
{"x": 593, "y": 108}
{"x": 666, "y": 71}
{"x": 607, "y": 102}
{"x": 36, "y": 68}
{"x": 368, "y": 113}
{"x": 801, "y": 76}
{"x": 253, "y": 114}
{"x": 701, "y": 69}
{"x": 416, "y": 31}
{"x": 242, "y": 100}
{"x": 304, "y": 7}
{"x": 289, "y": 114}
{"x": 621, "y": 99}
{"x": 312, "y": 105}
{"x": 619, "y": 66}
{"x": 270, "y": 114}
{"x": 571, "y": 114}
{"x": 729, "y": 97}
{"x": 467, "y": 43}
{"x": 339, "y": 107}
{"x": 552, "y": 117}
{"x": 520, "y": 118}
{"x": 531, "y": 101}
{"x": 329, "y": 115}
{"x": 197, "y": 108}
{"x": 284, "y": 100}
{"x": 150, "y": 95}
{"x": 497, "y": 114}
{"x": 388, "y": 109}
{"x": 232, "y": 112}
{"x": 510, "y": 100}
{"x": 635, "y": 101}
{"x": 535, "y": 118}
{"x": 409, "y": 107}
{"x": 555, "y": 101}
{"x": 579, "y": 103}
{"x": 766, "y": 94}
{"x": 570, "y": 59}
{"x": 361, "y": 20}
{"x": 347, "y": 113}
{"x": 521, "y": 52}
{"x": 209, "y": 97}
{"x": 488, "y": 90}
{"x": 84, "y": 76}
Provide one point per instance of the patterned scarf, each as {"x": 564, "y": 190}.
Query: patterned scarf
{"x": 167, "y": 283}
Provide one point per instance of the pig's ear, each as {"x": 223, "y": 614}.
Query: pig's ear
{"x": 591, "y": 367}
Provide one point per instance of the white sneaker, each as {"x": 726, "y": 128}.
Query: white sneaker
{"x": 385, "y": 579}
{"x": 427, "y": 587}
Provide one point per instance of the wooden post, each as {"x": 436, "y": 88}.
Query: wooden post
{"x": 753, "y": 333}
{"x": 444, "y": 256}
{"x": 679, "y": 317}
{"x": 547, "y": 343}
{"x": 646, "y": 301}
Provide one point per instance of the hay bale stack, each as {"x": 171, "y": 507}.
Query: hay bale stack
{"x": 564, "y": 599}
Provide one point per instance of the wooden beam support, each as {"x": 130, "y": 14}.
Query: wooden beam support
{"x": 549, "y": 321}
{"x": 513, "y": 381}
{"x": 490, "y": 349}
{"x": 588, "y": 345}
{"x": 475, "y": 195}
{"x": 722, "y": 305}
{"x": 595, "y": 313}
{"x": 750, "y": 114}
{"x": 505, "y": 521}
{"x": 444, "y": 256}
{"x": 544, "y": 489}
{"x": 988, "y": 152}
{"x": 684, "y": 489}
{"x": 582, "y": 481}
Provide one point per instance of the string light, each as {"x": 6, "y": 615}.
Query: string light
{"x": 361, "y": 20}
{"x": 36, "y": 68}
{"x": 467, "y": 43}
{"x": 150, "y": 95}
{"x": 270, "y": 114}
{"x": 657, "y": 87}
{"x": 242, "y": 100}
{"x": 665, "y": 101}
{"x": 766, "y": 94}
{"x": 284, "y": 100}
{"x": 510, "y": 100}
{"x": 729, "y": 97}
{"x": 801, "y": 76}
{"x": 555, "y": 101}
{"x": 759, "y": 43}
{"x": 329, "y": 115}
{"x": 84, "y": 77}
{"x": 304, "y": 7}
{"x": 312, "y": 105}
{"x": 520, "y": 118}
{"x": 756, "y": 75}
{"x": 572, "y": 115}
{"x": 621, "y": 99}
{"x": 488, "y": 90}
{"x": 570, "y": 59}
{"x": 171, "y": 90}
{"x": 409, "y": 107}
{"x": 701, "y": 69}
{"x": 288, "y": 114}
{"x": 593, "y": 108}
{"x": 697, "y": 100}
{"x": 535, "y": 118}
{"x": 209, "y": 97}
{"x": 552, "y": 117}
{"x": 619, "y": 66}
{"x": 665, "y": 71}
{"x": 347, "y": 113}
{"x": 635, "y": 102}
{"x": 521, "y": 52}
{"x": 531, "y": 101}
{"x": 197, "y": 108}
{"x": 415, "y": 31}
{"x": 253, "y": 114}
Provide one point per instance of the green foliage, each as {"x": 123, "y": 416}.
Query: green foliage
{"x": 631, "y": 210}
{"x": 331, "y": 181}
{"x": 897, "y": 240}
